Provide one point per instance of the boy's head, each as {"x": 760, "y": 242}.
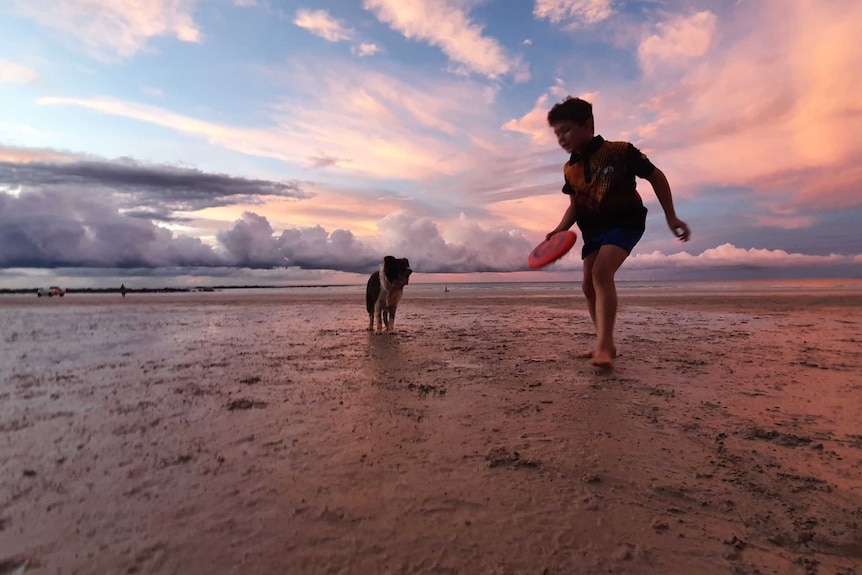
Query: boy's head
{"x": 573, "y": 124}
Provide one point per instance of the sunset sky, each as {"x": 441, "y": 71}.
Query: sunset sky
{"x": 183, "y": 142}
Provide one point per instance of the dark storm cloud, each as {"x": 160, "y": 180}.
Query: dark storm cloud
{"x": 67, "y": 211}
{"x": 156, "y": 214}
{"x": 84, "y": 213}
{"x": 74, "y": 229}
{"x": 474, "y": 249}
{"x": 252, "y": 242}
{"x": 47, "y": 229}
{"x": 56, "y": 228}
{"x": 161, "y": 188}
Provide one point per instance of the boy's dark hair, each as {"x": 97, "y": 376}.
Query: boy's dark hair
{"x": 571, "y": 110}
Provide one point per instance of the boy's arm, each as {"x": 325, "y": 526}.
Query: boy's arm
{"x": 662, "y": 191}
{"x": 569, "y": 219}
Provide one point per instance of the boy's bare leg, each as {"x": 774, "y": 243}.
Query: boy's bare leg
{"x": 590, "y": 293}
{"x": 604, "y": 269}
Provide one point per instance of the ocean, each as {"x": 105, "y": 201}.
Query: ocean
{"x": 759, "y": 286}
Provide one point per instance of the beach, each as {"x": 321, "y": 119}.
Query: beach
{"x": 268, "y": 432}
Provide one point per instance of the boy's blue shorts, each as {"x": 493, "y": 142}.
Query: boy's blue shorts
{"x": 626, "y": 239}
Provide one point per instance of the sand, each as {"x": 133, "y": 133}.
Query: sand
{"x": 270, "y": 433}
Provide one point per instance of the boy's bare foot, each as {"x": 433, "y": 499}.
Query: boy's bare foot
{"x": 603, "y": 359}
{"x": 592, "y": 352}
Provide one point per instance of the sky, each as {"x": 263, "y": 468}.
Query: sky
{"x": 247, "y": 142}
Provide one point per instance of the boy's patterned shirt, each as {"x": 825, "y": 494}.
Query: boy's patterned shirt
{"x": 602, "y": 181}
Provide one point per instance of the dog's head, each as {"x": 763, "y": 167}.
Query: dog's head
{"x": 397, "y": 271}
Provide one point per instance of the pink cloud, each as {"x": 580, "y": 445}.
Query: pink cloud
{"x": 534, "y": 123}
{"x": 366, "y": 49}
{"x": 320, "y": 23}
{"x": 348, "y": 119}
{"x": 680, "y": 38}
{"x": 12, "y": 73}
{"x": 445, "y": 24}
{"x": 113, "y": 29}
{"x": 573, "y": 13}
{"x": 771, "y": 107}
{"x": 26, "y": 155}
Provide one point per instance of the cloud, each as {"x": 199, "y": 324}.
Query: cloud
{"x": 245, "y": 140}
{"x": 115, "y": 29}
{"x": 347, "y": 118}
{"x": 534, "y": 123}
{"x": 162, "y": 189}
{"x": 366, "y": 49}
{"x": 54, "y": 228}
{"x": 728, "y": 255}
{"x": 573, "y": 13}
{"x": 250, "y": 240}
{"x": 471, "y": 248}
{"x": 75, "y": 228}
{"x": 724, "y": 258}
{"x": 12, "y": 73}
{"x": 46, "y": 229}
{"x": 681, "y": 38}
{"x": 817, "y": 188}
{"x": 24, "y": 155}
{"x": 444, "y": 24}
{"x": 772, "y": 108}
{"x": 320, "y": 23}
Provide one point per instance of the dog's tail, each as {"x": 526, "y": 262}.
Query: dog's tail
{"x": 372, "y": 291}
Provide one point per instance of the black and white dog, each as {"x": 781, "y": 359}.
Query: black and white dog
{"x": 384, "y": 290}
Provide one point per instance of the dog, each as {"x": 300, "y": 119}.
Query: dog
{"x": 384, "y": 290}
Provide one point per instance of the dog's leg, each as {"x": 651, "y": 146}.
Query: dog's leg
{"x": 372, "y": 296}
{"x": 378, "y": 314}
{"x": 391, "y": 324}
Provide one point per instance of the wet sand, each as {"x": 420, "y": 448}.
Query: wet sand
{"x": 270, "y": 433}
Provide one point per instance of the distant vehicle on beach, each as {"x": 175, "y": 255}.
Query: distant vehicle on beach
{"x": 51, "y": 291}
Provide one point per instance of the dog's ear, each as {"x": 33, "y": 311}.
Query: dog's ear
{"x": 388, "y": 259}
{"x": 406, "y": 262}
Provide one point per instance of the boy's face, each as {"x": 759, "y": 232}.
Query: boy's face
{"x": 573, "y": 136}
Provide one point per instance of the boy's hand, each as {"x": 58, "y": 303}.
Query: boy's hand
{"x": 549, "y": 234}
{"x": 679, "y": 228}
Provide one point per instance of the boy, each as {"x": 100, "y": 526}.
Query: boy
{"x": 600, "y": 183}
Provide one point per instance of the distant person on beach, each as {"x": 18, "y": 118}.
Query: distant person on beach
{"x": 123, "y": 290}
{"x": 604, "y": 202}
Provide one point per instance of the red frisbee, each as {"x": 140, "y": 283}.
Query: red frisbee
{"x": 552, "y": 249}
